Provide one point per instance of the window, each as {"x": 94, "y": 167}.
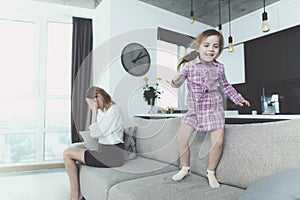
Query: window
{"x": 35, "y": 91}
{"x": 170, "y": 47}
{"x": 167, "y": 57}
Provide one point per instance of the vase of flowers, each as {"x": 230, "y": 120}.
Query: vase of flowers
{"x": 151, "y": 94}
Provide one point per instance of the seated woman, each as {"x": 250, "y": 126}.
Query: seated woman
{"x": 106, "y": 125}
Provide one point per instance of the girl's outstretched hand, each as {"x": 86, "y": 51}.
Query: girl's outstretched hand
{"x": 245, "y": 102}
{"x": 177, "y": 77}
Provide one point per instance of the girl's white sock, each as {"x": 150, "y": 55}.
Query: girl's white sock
{"x": 212, "y": 180}
{"x": 182, "y": 173}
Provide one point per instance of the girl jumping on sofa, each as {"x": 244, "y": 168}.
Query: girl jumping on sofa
{"x": 106, "y": 125}
{"x": 206, "y": 113}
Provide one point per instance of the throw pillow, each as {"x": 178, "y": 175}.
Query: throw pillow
{"x": 129, "y": 139}
{"x": 89, "y": 142}
{"x": 279, "y": 186}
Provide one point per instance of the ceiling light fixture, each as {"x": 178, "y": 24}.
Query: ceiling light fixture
{"x": 230, "y": 39}
{"x": 192, "y": 17}
{"x": 220, "y": 23}
{"x": 265, "y": 24}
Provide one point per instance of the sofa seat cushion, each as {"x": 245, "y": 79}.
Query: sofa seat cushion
{"x": 251, "y": 151}
{"x": 162, "y": 187}
{"x": 95, "y": 182}
{"x": 282, "y": 185}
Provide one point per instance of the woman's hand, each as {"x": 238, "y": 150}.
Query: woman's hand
{"x": 245, "y": 102}
{"x": 92, "y": 103}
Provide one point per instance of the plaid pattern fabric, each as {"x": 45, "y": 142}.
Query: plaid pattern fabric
{"x": 206, "y": 112}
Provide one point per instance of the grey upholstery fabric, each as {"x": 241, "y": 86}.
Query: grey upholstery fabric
{"x": 252, "y": 151}
{"x": 161, "y": 186}
{"x": 129, "y": 139}
{"x": 200, "y": 148}
{"x": 157, "y": 139}
{"x": 280, "y": 186}
{"x": 96, "y": 182}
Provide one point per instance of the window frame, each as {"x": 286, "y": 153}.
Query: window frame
{"x": 39, "y": 95}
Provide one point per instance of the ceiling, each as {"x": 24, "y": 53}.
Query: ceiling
{"x": 205, "y": 11}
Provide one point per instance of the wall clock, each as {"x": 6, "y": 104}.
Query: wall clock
{"x": 135, "y": 59}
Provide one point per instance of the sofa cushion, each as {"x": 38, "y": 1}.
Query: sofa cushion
{"x": 251, "y": 151}
{"x": 157, "y": 139}
{"x": 200, "y": 148}
{"x": 163, "y": 187}
{"x": 129, "y": 139}
{"x": 282, "y": 185}
{"x": 96, "y": 182}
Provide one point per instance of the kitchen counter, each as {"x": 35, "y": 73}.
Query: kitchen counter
{"x": 159, "y": 115}
{"x": 231, "y": 117}
{"x": 259, "y": 118}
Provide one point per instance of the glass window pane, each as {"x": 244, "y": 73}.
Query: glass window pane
{"x": 55, "y": 144}
{"x": 17, "y": 114}
{"x": 17, "y": 148}
{"x": 58, "y": 113}
{"x": 18, "y": 75}
{"x": 166, "y": 69}
{"x": 59, "y": 56}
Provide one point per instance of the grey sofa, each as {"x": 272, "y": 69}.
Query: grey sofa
{"x": 252, "y": 152}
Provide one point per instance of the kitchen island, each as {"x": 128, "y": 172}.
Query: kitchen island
{"x": 230, "y": 117}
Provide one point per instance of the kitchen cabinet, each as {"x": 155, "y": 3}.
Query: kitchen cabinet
{"x": 273, "y": 62}
{"x": 266, "y": 59}
{"x": 273, "y": 58}
{"x": 293, "y": 55}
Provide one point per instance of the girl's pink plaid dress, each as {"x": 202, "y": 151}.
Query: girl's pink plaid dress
{"x": 206, "y": 112}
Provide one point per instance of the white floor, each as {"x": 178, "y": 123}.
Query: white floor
{"x": 36, "y": 185}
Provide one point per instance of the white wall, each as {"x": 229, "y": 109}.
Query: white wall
{"x": 234, "y": 64}
{"x": 131, "y": 21}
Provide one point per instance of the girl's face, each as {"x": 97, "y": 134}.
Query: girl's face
{"x": 209, "y": 49}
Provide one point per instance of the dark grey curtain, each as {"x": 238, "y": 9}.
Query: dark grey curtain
{"x": 81, "y": 75}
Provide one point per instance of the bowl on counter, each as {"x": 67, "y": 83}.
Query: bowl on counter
{"x": 167, "y": 110}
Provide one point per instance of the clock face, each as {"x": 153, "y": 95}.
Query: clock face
{"x": 135, "y": 59}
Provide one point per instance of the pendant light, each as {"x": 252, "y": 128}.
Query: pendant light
{"x": 230, "y": 39}
{"x": 265, "y": 24}
{"x": 192, "y": 17}
{"x": 220, "y": 23}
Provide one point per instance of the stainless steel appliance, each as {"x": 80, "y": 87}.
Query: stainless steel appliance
{"x": 270, "y": 104}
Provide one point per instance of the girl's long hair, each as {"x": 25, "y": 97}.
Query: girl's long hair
{"x": 196, "y": 44}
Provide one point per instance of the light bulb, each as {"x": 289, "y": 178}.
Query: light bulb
{"x": 230, "y": 45}
{"x": 192, "y": 18}
{"x": 265, "y": 24}
{"x": 220, "y": 29}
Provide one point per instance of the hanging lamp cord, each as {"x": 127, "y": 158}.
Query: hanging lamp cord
{"x": 219, "y": 11}
{"x": 229, "y": 18}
